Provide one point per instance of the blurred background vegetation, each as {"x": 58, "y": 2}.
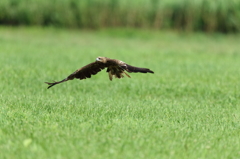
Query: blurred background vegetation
{"x": 188, "y": 15}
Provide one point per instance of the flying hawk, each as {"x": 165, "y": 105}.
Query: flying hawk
{"x": 114, "y": 67}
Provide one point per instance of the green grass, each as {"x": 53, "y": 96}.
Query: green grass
{"x": 188, "y": 109}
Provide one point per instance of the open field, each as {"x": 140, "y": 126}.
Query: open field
{"x": 188, "y": 109}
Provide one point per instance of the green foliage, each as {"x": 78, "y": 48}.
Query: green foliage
{"x": 191, "y": 15}
{"x": 188, "y": 109}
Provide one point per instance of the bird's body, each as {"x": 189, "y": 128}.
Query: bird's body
{"x": 115, "y": 68}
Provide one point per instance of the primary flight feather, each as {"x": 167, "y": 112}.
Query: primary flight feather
{"x": 115, "y": 68}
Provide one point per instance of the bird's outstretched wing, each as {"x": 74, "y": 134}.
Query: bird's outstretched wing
{"x": 82, "y": 73}
{"x": 134, "y": 69}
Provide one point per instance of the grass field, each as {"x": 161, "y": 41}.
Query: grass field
{"x": 188, "y": 109}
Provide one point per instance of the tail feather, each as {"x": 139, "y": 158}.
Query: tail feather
{"x": 54, "y": 83}
{"x": 138, "y": 69}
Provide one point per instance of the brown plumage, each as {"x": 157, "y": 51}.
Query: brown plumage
{"x": 115, "y": 68}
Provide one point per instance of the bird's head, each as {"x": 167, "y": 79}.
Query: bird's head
{"x": 101, "y": 59}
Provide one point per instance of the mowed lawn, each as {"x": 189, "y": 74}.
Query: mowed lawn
{"x": 189, "y": 108}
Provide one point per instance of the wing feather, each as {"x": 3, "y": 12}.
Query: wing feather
{"x": 134, "y": 69}
{"x": 82, "y": 73}
{"x": 88, "y": 70}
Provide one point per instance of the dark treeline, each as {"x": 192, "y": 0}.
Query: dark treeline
{"x": 190, "y": 15}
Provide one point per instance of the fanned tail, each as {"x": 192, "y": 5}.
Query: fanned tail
{"x": 138, "y": 69}
{"x": 54, "y": 83}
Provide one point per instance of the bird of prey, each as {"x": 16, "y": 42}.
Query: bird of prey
{"x": 115, "y": 68}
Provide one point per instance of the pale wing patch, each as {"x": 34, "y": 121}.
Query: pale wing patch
{"x": 121, "y": 62}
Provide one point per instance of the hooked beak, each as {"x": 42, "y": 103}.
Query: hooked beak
{"x": 97, "y": 59}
